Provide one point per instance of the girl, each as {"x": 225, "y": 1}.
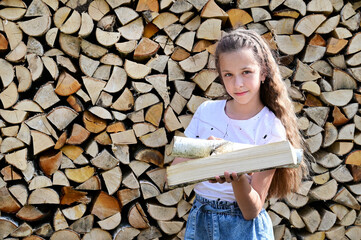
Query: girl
{"x": 258, "y": 111}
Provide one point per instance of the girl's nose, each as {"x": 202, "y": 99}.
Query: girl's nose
{"x": 238, "y": 81}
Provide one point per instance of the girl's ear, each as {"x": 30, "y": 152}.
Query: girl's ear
{"x": 263, "y": 77}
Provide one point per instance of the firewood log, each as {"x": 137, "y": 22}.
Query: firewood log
{"x": 93, "y": 183}
{"x": 345, "y": 197}
{"x": 311, "y": 218}
{"x": 24, "y": 78}
{"x": 161, "y": 213}
{"x": 80, "y": 175}
{"x": 171, "y": 197}
{"x": 336, "y": 232}
{"x": 39, "y": 182}
{"x": 132, "y": 30}
{"x": 44, "y": 196}
{"x": 20, "y": 192}
{"x": 75, "y": 212}
{"x": 137, "y": 217}
{"x": 24, "y": 230}
{"x": 8, "y": 203}
{"x": 296, "y": 220}
{"x": 341, "y": 148}
{"x": 14, "y": 34}
{"x": 83, "y": 225}
{"x": 353, "y": 232}
{"x": 68, "y": 234}
{"x": 6, "y": 227}
{"x": 170, "y": 227}
{"x": 291, "y": 44}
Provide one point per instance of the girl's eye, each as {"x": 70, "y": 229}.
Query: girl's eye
{"x": 247, "y": 72}
{"x": 227, "y": 75}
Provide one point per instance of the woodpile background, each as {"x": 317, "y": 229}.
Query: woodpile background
{"x": 92, "y": 93}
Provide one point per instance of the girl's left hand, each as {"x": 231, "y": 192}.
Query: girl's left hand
{"x": 228, "y": 177}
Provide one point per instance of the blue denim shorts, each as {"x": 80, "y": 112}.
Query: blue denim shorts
{"x": 221, "y": 220}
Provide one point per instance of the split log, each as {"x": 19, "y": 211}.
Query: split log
{"x": 126, "y": 233}
{"x": 20, "y": 192}
{"x": 137, "y": 217}
{"x": 328, "y": 220}
{"x": 8, "y": 203}
{"x": 74, "y": 213}
{"x": 170, "y": 227}
{"x": 40, "y": 182}
{"x": 296, "y": 200}
{"x": 155, "y": 139}
{"x": 324, "y": 192}
{"x": 296, "y": 220}
{"x": 36, "y": 27}
{"x": 44, "y": 196}
{"x": 105, "y": 206}
{"x": 6, "y": 227}
{"x": 80, "y": 175}
{"x": 93, "y": 183}
{"x": 171, "y": 197}
{"x": 336, "y": 232}
{"x": 68, "y": 234}
{"x": 132, "y": 30}
{"x": 194, "y": 63}
{"x": 174, "y": 179}
{"x": 291, "y": 45}
{"x": 83, "y": 225}
{"x": 345, "y": 197}
{"x": 311, "y": 218}
{"x": 112, "y": 179}
{"x": 161, "y": 213}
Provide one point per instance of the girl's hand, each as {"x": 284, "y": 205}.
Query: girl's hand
{"x": 213, "y": 138}
{"x": 228, "y": 177}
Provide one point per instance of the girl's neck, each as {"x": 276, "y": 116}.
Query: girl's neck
{"x": 242, "y": 112}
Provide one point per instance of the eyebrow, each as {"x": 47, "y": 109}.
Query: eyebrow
{"x": 244, "y": 68}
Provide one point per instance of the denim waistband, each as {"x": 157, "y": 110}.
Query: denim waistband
{"x": 219, "y": 204}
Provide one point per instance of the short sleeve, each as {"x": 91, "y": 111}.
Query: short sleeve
{"x": 278, "y": 132}
{"x": 192, "y": 128}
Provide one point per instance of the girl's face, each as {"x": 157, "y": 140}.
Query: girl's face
{"x": 241, "y": 75}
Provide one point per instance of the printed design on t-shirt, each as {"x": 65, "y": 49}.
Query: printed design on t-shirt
{"x": 206, "y": 129}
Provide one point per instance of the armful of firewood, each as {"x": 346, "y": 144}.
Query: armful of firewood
{"x": 214, "y": 157}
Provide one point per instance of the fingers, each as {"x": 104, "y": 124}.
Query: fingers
{"x": 228, "y": 177}
{"x": 214, "y": 138}
{"x": 217, "y": 179}
{"x": 220, "y": 180}
{"x": 235, "y": 177}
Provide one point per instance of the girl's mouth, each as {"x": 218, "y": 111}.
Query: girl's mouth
{"x": 241, "y": 93}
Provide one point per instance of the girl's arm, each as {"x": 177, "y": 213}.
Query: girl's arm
{"x": 250, "y": 197}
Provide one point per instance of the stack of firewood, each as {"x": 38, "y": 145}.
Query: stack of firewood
{"x": 92, "y": 93}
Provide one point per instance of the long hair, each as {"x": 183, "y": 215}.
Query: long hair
{"x": 274, "y": 95}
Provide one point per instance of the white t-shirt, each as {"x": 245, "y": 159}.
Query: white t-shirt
{"x": 210, "y": 119}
